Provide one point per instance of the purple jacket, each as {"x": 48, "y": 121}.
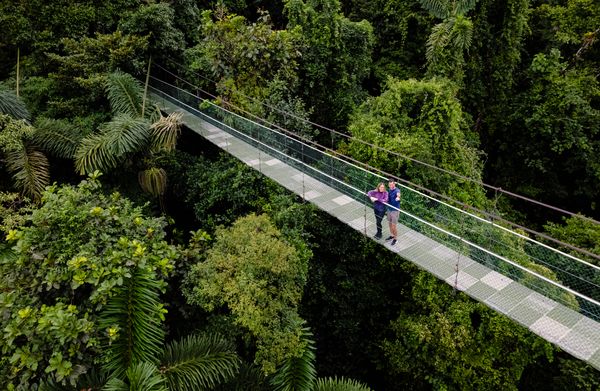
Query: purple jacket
{"x": 382, "y": 198}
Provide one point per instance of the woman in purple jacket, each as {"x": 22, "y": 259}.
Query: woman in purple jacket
{"x": 379, "y": 197}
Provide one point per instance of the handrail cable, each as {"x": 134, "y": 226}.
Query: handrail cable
{"x": 522, "y": 268}
{"x": 398, "y": 154}
{"x": 413, "y": 185}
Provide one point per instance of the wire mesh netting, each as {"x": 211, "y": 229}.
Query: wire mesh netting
{"x": 548, "y": 271}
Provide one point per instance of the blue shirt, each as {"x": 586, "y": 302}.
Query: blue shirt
{"x": 392, "y": 199}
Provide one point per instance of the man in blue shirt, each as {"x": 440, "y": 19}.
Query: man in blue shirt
{"x": 393, "y": 207}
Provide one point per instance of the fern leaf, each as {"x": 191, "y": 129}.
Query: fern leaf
{"x": 142, "y": 376}
{"x": 249, "y": 378}
{"x": 199, "y": 362}
{"x": 437, "y": 41}
{"x": 464, "y": 6}
{"x": 462, "y": 33}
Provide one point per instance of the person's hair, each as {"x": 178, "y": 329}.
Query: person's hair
{"x": 380, "y": 184}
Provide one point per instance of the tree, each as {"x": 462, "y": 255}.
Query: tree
{"x": 252, "y": 63}
{"x": 129, "y": 133}
{"x": 28, "y": 166}
{"x": 135, "y": 357}
{"x": 221, "y": 191}
{"x": 77, "y": 86}
{"x": 299, "y": 374}
{"x": 155, "y": 21}
{"x": 401, "y": 29}
{"x": 493, "y": 70}
{"x": 571, "y": 26}
{"x": 66, "y": 262}
{"x": 36, "y": 28}
{"x": 336, "y": 58}
{"x": 424, "y": 121}
{"x": 446, "y": 342}
{"x": 253, "y": 271}
{"x": 553, "y": 136}
{"x": 450, "y": 39}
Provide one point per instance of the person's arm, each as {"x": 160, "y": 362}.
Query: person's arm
{"x": 371, "y": 195}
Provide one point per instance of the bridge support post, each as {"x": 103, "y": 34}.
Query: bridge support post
{"x": 461, "y": 244}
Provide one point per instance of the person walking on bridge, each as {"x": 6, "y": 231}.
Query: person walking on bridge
{"x": 393, "y": 210}
{"x": 379, "y": 197}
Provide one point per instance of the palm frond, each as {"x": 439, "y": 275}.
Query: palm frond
{"x": 58, "y": 137}
{"x": 135, "y": 312}
{"x": 104, "y": 150}
{"x": 165, "y": 132}
{"x": 341, "y": 384}
{"x": 462, "y": 33}
{"x": 249, "y": 378}
{"x": 153, "y": 181}
{"x": 124, "y": 93}
{"x": 437, "y": 41}
{"x": 30, "y": 170}
{"x": 464, "y": 6}
{"x": 142, "y": 376}
{"x": 298, "y": 373}
{"x": 199, "y": 362}
{"x": 115, "y": 384}
{"x": 92, "y": 380}
{"x": 439, "y": 8}
{"x": 10, "y": 104}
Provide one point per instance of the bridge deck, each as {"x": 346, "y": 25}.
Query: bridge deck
{"x": 568, "y": 329}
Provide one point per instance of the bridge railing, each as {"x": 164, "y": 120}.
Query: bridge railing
{"x": 557, "y": 275}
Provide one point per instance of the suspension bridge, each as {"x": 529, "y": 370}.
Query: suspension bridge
{"x": 552, "y": 293}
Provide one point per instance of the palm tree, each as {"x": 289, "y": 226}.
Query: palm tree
{"x": 27, "y": 164}
{"x": 299, "y": 373}
{"x": 131, "y": 131}
{"x": 450, "y": 38}
{"x": 134, "y": 358}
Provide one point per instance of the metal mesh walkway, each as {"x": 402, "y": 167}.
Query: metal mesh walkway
{"x": 553, "y": 294}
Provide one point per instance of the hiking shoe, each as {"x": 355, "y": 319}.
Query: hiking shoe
{"x": 389, "y": 238}
{"x": 393, "y": 242}
{"x": 377, "y": 236}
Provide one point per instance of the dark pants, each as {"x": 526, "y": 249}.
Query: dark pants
{"x": 378, "y": 217}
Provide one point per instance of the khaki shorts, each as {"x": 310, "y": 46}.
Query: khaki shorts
{"x": 392, "y": 216}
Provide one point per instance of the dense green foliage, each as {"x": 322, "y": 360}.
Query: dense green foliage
{"x": 456, "y": 343}
{"x": 422, "y": 120}
{"x": 260, "y": 278}
{"x": 66, "y": 260}
{"x": 502, "y": 91}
